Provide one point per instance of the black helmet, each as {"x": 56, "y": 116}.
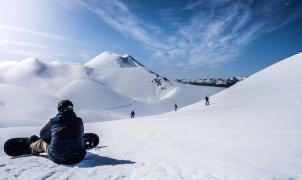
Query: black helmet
{"x": 64, "y": 105}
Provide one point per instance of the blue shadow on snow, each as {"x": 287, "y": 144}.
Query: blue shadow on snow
{"x": 93, "y": 160}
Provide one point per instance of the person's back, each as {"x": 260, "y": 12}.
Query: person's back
{"x": 64, "y": 135}
{"x": 67, "y": 143}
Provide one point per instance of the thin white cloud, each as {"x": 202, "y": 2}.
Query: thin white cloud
{"x": 21, "y": 49}
{"x": 45, "y": 55}
{"x": 117, "y": 15}
{"x": 37, "y": 33}
{"x": 218, "y": 35}
{"x": 20, "y": 43}
{"x": 43, "y": 34}
{"x": 217, "y": 32}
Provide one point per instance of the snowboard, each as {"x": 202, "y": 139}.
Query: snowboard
{"x": 21, "y": 146}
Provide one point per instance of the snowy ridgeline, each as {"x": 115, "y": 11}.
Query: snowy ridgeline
{"x": 216, "y": 82}
{"x": 108, "y": 87}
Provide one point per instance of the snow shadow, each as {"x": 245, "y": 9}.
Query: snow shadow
{"x": 93, "y": 160}
{"x": 28, "y": 156}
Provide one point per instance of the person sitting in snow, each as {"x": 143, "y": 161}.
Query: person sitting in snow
{"x": 132, "y": 114}
{"x": 62, "y": 136}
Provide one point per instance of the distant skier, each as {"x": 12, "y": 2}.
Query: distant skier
{"x": 175, "y": 107}
{"x": 61, "y": 137}
{"x": 207, "y": 100}
{"x": 132, "y": 114}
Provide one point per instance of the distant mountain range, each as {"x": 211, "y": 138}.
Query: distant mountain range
{"x": 216, "y": 82}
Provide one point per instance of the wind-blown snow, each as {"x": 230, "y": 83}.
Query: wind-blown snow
{"x": 250, "y": 131}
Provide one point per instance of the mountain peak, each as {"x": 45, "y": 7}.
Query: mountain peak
{"x": 111, "y": 59}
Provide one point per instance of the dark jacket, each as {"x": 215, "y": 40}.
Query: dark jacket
{"x": 64, "y": 133}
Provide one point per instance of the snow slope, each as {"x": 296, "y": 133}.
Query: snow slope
{"x": 14, "y": 111}
{"x": 274, "y": 83}
{"x": 250, "y": 131}
{"x": 108, "y": 87}
{"x": 110, "y": 59}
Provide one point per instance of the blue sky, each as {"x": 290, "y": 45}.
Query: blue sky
{"x": 177, "y": 38}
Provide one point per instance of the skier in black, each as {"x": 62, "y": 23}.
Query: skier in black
{"x": 62, "y": 136}
{"x": 132, "y": 114}
{"x": 175, "y": 107}
{"x": 207, "y": 100}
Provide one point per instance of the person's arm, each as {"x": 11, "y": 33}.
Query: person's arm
{"x": 45, "y": 132}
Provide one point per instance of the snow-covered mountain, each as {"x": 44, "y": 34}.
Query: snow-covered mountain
{"x": 110, "y": 59}
{"x": 107, "y": 87}
{"x": 251, "y": 130}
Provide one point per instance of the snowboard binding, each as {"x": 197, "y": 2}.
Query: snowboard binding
{"x": 91, "y": 140}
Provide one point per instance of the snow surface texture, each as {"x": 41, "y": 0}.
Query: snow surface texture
{"x": 250, "y": 131}
{"x": 108, "y": 87}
